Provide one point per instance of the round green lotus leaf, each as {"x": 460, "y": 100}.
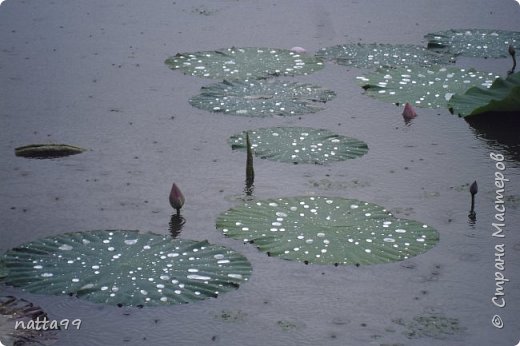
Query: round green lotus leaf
{"x": 245, "y": 63}
{"x": 262, "y": 98}
{"x": 327, "y": 230}
{"x": 23, "y": 323}
{"x": 300, "y": 145}
{"x": 375, "y": 55}
{"x": 486, "y": 43}
{"x": 428, "y": 87}
{"x": 125, "y": 268}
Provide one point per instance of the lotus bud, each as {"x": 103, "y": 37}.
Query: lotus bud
{"x": 512, "y": 52}
{"x": 176, "y": 198}
{"x": 473, "y": 189}
{"x": 408, "y": 112}
{"x": 298, "y": 50}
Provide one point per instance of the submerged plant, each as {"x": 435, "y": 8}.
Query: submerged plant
{"x": 327, "y": 230}
{"x": 125, "y": 268}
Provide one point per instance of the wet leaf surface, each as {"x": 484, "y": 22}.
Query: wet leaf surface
{"x": 262, "y": 98}
{"x": 327, "y": 230}
{"x": 427, "y": 87}
{"x": 484, "y": 43}
{"x": 125, "y": 268}
{"x": 244, "y": 63}
{"x": 300, "y": 145}
{"x": 376, "y": 55}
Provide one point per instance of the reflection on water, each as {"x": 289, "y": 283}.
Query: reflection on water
{"x": 500, "y": 130}
{"x": 176, "y": 224}
{"x": 249, "y": 189}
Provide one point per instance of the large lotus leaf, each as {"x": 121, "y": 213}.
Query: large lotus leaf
{"x": 327, "y": 230}
{"x": 262, "y": 98}
{"x": 474, "y": 42}
{"x": 300, "y": 145}
{"x": 245, "y": 63}
{"x": 22, "y": 323}
{"x": 125, "y": 268}
{"x": 375, "y": 55}
{"x": 502, "y": 96}
{"x": 428, "y": 87}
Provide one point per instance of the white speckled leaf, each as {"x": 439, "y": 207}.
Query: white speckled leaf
{"x": 262, "y": 98}
{"x": 428, "y": 87}
{"x": 487, "y": 43}
{"x": 502, "y": 96}
{"x": 327, "y": 230}
{"x": 125, "y": 268}
{"x": 245, "y": 63}
{"x": 300, "y": 145}
{"x": 364, "y": 55}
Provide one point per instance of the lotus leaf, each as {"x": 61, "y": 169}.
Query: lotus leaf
{"x": 375, "y": 55}
{"x": 15, "y": 314}
{"x": 428, "y": 87}
{"x": 300, "y": 145}
{"x": 327, "y": 230}
{"x": 502, "y": 96}
{"x": 47, "y": 151}
{"x": 260, "y": 98}
{"x": 244, "y": 63}
{"x": 125, "y": 268}
{"x": 474, "y": 42}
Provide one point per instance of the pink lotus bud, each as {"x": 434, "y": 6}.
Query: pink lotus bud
{"x": 298, "y": 50}
{"x": 176, "y": 198}
{"x": 409, "y": 112}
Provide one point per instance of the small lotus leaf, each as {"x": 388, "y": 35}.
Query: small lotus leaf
{"x": 261, "y": 98}
{"x": 486, "y": 43}
{"x": 125, "y": 268}
{"x": 428, "y": 87}
{"x": 300, "y": 145}
{"x": 375, "y": 55}
{"x": 502, "y": 96}
{"x": 327, "y": 230}
{"x": 47, "y": 151}
{"x": 245, "y": 63}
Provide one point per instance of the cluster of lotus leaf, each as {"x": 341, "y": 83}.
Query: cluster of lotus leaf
{"x": 129, "y": 268}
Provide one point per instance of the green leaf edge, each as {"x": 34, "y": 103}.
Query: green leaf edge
{"x": 502, "y": 96}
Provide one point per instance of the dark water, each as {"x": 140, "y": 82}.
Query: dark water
{"x": 91, "y": 74}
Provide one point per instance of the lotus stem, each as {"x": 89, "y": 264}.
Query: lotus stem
{"x": 250, "y": 172}
{"x": 512, "y": 52}
{"x": 176, "y": 198}
{"x": 473, "y": 189}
